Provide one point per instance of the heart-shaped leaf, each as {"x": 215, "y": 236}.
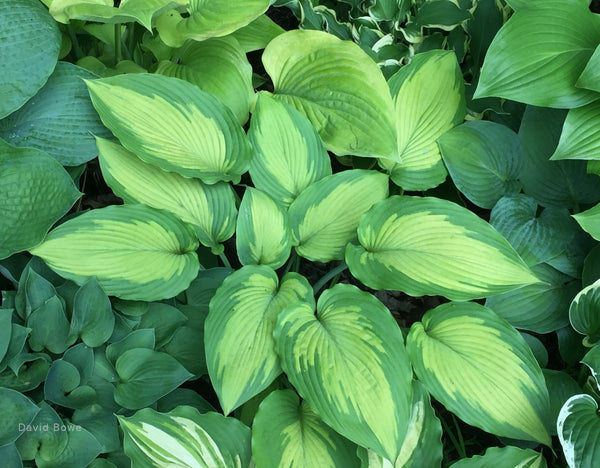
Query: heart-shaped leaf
{"x": 17, "y": 412}
{"x": 40, "y": 439}
{"x": 92, "y": 319}
{"x": 578, "y": 429}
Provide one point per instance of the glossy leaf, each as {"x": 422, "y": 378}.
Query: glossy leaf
{"x": 484, "y": 160}
{"x": 428, "y": 246}
{"x": 16, "y": 409}
{"x": 29, "y": 46}
{"x": 288, "y": 152}
{"x": 579, "y": 139}
{"x": 481, "y": 369}
{"x": 286, "y": 432}
{"x": 325, "y": 216}
{"x": 134, "y": 251}
{"x": 239, "y": 345}
{"x": 210, "y": 209}
{"x": 348, "y": 361}
{"x": 578, "y": 429}
{"x": 429, "y": 100}
{"x": 504, "y": 457}
{"x": 195, "y": 136}
{"x": 35, "y": 192}
{"x": 59, "y": 120}
{"x": 584, "y": 312}
{"x": 218, "y": 66}
{"x": 539, "y": 54}
{"x": 324, "y": 78}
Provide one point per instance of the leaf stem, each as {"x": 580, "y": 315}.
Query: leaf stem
{"x": 224, "y": 259}
{"x": 461, "y": 441}
{"x": 460, "y": 450}
{"x": 329, "y": 275}
{"x": 74, "y": 41}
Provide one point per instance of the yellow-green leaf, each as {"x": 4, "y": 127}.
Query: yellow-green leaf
{"x": 135, "y": 252}
{"x": 210, "y": 209}
{"x": 348, "y": 361}
{"x": 504, "y": 457}
{"x": 174, "y": 125}
{"x": 429, "y": 246}
{"x": 481, "y": 369}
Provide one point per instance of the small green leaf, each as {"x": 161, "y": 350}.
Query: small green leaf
{"x": 324, "y": 78}
{"x": 196, "y": 136}
{"x": 589, "y": 220}
{"x": 10, "y": 456}
{"x": 348, "y": 361}
{"x": 146, "y": 376}
{"x": 286, "y": 432}
{"x": 164, "y": 319}
{"x": 82, "y": 447}
{"x": 40, "y": 439}
{"x": 578, "y": 429}
{"x": 17, "y": 411}
{"x": 141, "y": 338}
{"x": 584, "y": 312}
{"x": 49, "y": 327}
{"x": 480, "y": 368}
{"x": 5, "y": 331}
{"x": 579, "y": 139}
{"x": 134, "y": 251}
{"x": 504, "y": 457}
{"x": 93, "y": 319}
{"x": 325, "y": 216}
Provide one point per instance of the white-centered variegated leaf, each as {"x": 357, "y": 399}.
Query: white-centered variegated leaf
{"x": 288, "y": 152}
{"x": 348, "y": 361}
{"x": 218, "y": 66}
{"x": 184, "y": 438}
{"x": 338, "y": 87}
{"x": 429, "y": 246}
{"x": 481, "y": 369}
{"x": 174, "y": 125}
{"x": 263, "y": 235}
{"x": 578, "y": 428}
{"x": 239, "y": 345}
{"x": 429, "y": 99}
{"x": 504, "y": 457}
{"x": 579, "y": 138}
{"x": 286, "y": 432}
{"x": 325, "y": 216}
{"x": 210, "y": 209}
{"x": 136, "y": 252}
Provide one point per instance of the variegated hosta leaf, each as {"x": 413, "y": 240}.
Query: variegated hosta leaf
{"x": 286, "y": 432}
{"x": 325, "y": 216}
{"x": 481, "y": 369}
{"x": 218, "y": 66}
{"x": 288, "y": 152}
{"x": 338, "y": 87}
{"x": 210, "y": 209}
{"x": 208, "y": 18}
{"x": 185, "y": 438}
{"x": 135, "y": 252}
{"x": 429, "y": 98}
{"x": 174, "y": 125}
{"x": 578, "y": 428}
{"x": 429, "y": 246}
{"x": 239, "y": 345}
{"x": 584, "y": 312}
{"x": 263, "y": 235}
{"x": 504, "y": 457}
{"x": 348, "y": 361}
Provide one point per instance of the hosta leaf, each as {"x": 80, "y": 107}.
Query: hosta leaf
{"x": 263, "y": 235}
{"x": 47, "y": 444}
{"x": 481, "y": 368}
{"x": 348, "y": 361}
{"x": 324, "y": 78}
{"x": 579, "y": 139}
{"x": 286, "y": 432}
{"x": 146, "y": 376}
{"x": 443, "y": 14}
{"x": 35, "y": 192}
{"x": 504, "y": 457}
{"x": 16, "y": 409}
{"x": 589, "y": 77}
{"x": 257, "y": 34}
{"x": 484, "y": 160}
{"x": 49, "y": 327}
{"x": 429, "y": 100}
{"x": 561, "y": 387}
{"x": 82, "y": 447}
{"x": 135, "y": 252}
{"x": 589, "y": 220}
{"x": 592, "y": 361}
{"x": 186, "y": 439}
{"x": 325, "y": 216}
{"x": 92, "y": 319}
{"x": 240, "y": 350}
{"x": 288, "y": 152}
{"x": 429, "y": 246}
{"x": 195, "y": 136}
{"x": 539, "y": 54}
{"x": 60, "y": 118}
{"x": 10, "y": 456}
{"x": 584, "y": 312}
{"x": 210, "y": 209}
{"x": 578, "y": 429}
{"x": 29, "y": 46}
{"x": 218, "y": 66}
{"x": 208, "y": 18}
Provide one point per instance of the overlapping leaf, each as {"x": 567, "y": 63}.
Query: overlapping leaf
{"x": 136, "y": 252}
{"x": 578, "y": 429}
{"x": 481, "y": 369}
{"x": 173, "y": 124}
{"x": 579, "y": 138}
{"x": 338, "y": 87}
{"x": 584, "y": 312}
{"x": 429, "y": 246}
{"x": 257, "y": 34}
{"x": 348, "y": 361}
{"x": 504, "y": 457}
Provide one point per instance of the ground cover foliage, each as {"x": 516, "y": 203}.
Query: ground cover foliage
{"x": 299, "y": 233}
